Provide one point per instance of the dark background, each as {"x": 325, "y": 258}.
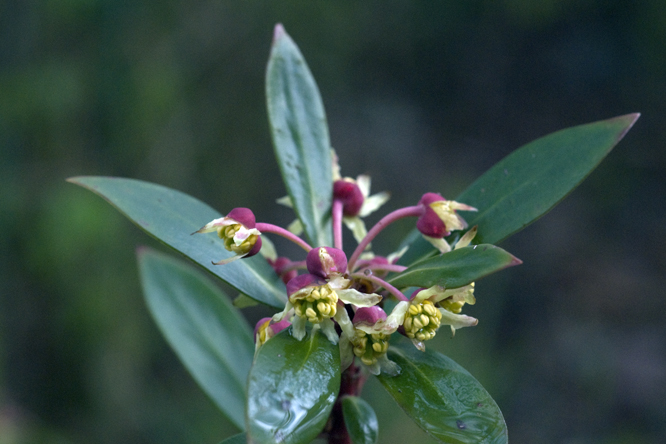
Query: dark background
{"x": 424, "y": 96}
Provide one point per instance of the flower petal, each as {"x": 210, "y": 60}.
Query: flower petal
{"x": 268, "y": 250}
{"x": 372, "y": 203}
{"x": 438, "y": 243}
{"x": 296, "y": 227}
{"x": 215, "y": 224}
{"x": 286, "y": 201}
{"x": 467, "y": 238}
{"x": 355, "y": 297}
{"x": 457, "y": 320}
{"x": 363, "y": 183}
{"x": 357, "y": 227}
{"x": 346, "y": 351}
{"x": 328, "y": 328}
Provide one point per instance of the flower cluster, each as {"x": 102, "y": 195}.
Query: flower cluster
{"x": 346, "y": 298}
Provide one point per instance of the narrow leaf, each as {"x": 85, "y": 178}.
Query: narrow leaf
{"x": 443, "y": 398}
{"x": 292, "y": 388}
{"x": 207, "y": 333}
{"x": 361, "y": 420}
{"x": 300, "y": 136}
{"x": 530, "y": 181}
{"x": 171, "y": 216}
{"x": 456, "y": 268}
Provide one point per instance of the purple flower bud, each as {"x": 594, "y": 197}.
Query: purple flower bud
{"x": 261, "y": 325}
{"x": 369, "y": 315}
{"x": 279, "y": 265}
{"x": 279, "y": 326}
{"x": 244, "y": 216}
{"x": 326, "y": 261}
{"x": 350, "y": 195}
{"x": 302, "y": 281}
{"x": 429, "y": 223}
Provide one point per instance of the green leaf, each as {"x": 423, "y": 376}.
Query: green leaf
{"x": 207, "y": 333}
{"x": 456, "y": 268}
{"x": 300, "y": 137}
{"x": 171, "y": 217}
{"x": 361, "y": 420}
{"x": 292, "y": 388}
{"x": 530, "y": 181}
{"x": 443, "y": 398}
{"x": 241, "y": 438}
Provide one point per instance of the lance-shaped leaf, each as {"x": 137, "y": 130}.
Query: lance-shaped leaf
{"x": 456, "y": 268}
{"x": 292, "y": 388}
{"x": 361, "y": 420}
{"x": 533, "y": 179}
{"x": 207, "y": 333}
{"x": 443, "y": 398}
{"x": 171, "y": 216}
{"x": 300, "y": 137}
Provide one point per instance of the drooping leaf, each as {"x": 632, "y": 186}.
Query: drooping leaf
{"x": 300, "y": 137}
{"x": 207, "y": 333}
{"x": 171, "y": 217}
{"x": 292, "y": 388}
{"x": 530, "y": 181}
{"x": 456, "y": 268}
{"x": 361, "y": 420}
{"x": 241, "y": 438}
{"x": 443, "y": 398}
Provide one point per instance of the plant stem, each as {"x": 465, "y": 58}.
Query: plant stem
{"x": 414, "y": 211}
{"x": 337, "y": 223}
{"x": 351, "y": 383}
{"x": 270, "y": 228}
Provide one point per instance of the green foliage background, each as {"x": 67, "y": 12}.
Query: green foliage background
{"x": 424, "y": 96}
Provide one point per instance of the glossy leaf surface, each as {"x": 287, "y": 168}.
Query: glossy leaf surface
{"x": 241, "y": 438}
{"x": 443, "y": 398}
{"x": 171, "y": 217}
{"x": 300, "y": 137}
{"x": 533, "y": 179}
{"x": 361, "y": 420}
{"x": 456, "y": 268}
{"x": 292, "y": 388}
{"x": 207, "y": 333}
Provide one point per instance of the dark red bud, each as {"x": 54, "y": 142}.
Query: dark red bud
{"x": 429, "y": 198}
{"x": 302, "y": 281}
{"x": 430, "y": 224}
{"x": 279, "y": 265}
{"x": 255, "y": 249}
{"x": 325, "y": 261}
{"x": 244, "y": 216}
{"x": 350, "y": 195}
{"x": 369, "y": 315}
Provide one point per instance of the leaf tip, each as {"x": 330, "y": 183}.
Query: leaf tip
{"x": 278, "y": 32}
{"x": 630, "y": 120}
{"x": 514, "y": 261}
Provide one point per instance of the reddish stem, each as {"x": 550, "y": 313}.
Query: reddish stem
{"x": 270, "y": 228}
{"x": 382, "y": 283}
{"x": 337, "y": 223}
{"x": 351, "y": 383}
{"x": 414, "y": 211}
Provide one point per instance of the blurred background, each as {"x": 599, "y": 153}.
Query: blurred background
{"x": 424, "y": 96}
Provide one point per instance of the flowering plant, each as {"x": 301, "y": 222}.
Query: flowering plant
{"x": 340, "y": 318}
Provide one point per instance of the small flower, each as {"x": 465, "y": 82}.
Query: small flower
{"x": 237, "y": 230}
{"x": 367, "y": 338}
{"x": 439, "y": 219}
{"x": 314, "y": 299}
{"x": 264, "y": 330}
{"x": 356, "y": 199}
{"x": 448, "y": 313}
{"x": 326, "y": 262}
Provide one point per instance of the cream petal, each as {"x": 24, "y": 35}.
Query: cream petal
{"x": 268, "y": 250}
{"x": 296, "y": 227}
{"x": 355, "y": 297}
{"x": 363, "y": 183}
{"x": 357, "y": 227}
{"x": 467, "y": 238}
{"x": 346, "y": 352}
{"x": 457, "y": 320}
{"x": 298, "y": 327}
{"x": 372, "y": 203}
{"x": 388, "y": 367}
{"x": 328, "y": 328}
{"x": 215, "y": 224}
{"x": 286, "y": 201}
{"x": 440, "y": 244}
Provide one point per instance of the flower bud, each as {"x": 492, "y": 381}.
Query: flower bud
{"x": 368, "y": 316}
{"x": 279, "y": 264}
{"x": 264, "y": 330}
{"x": 348, "y": 192}
{"x": 439, "y": 217}
{"x": 238, "y": 232}
{"x": 326, "y": 262}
